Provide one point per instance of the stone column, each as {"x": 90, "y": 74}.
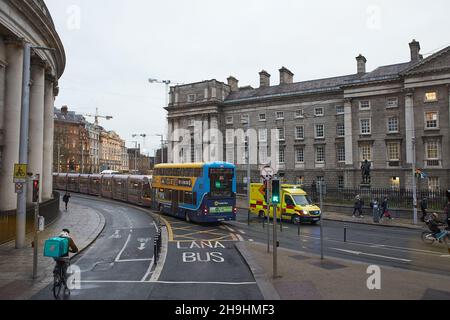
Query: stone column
{"x": 49, "y": 101}
{"x": 348, "y": 132}
{"x": 205, "y": 140}
{"x": 170, "y": 143}
{"x": 36, "y": 133}
{"x": 216, "y": 140}
{"x": 198, "y": 140}
{"x": 12, "y": 112}
{"x": 409, "y": 123}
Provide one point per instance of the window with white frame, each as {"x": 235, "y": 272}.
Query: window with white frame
{"x": 431, "y": 96}
{"x": 392, "y": 102}
{"x": 280, "y": 115}
{"x": 432, "y": 120}
{"x": 229, "y": 136}
{"x": 319, "y": 112}
{"x": 191, "y": 123}
{"x": 341, "y": 182}
{"x": 262, "y": 135}
{"x": 281, "y": 155}
{"x": 300, "y": 155}
{"x": 245, "y": 118}
{"x": 281, "y": 134}
{"x": 393, "y": 150}
{"x": 432, "y": 150}
{"x": 229, "y": 120}
{"x": 433, "y": 183}
{"x": 365, "y": 150}
{"x": 340, "y": 129}
{"x": 320, "y": 154}
{"x": 319, "y": 131}
{"x": 365, "y": 126}
{"x": 299, "y": 113}
{"x": 299, "y": 132}
{"x": 340, "y": 152}
{"x": 364, "y": 105}
{"x": 263, "y": 155}
{"x": 340, "y": 110}
{"x": 393, "y": 125}
{"x": 262, "y": 117}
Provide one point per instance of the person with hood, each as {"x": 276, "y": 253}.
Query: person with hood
{"x": 358, "y": 206}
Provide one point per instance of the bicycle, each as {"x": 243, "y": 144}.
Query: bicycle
{"x": 429, "y": 238}
{"x": 60, "y": 277}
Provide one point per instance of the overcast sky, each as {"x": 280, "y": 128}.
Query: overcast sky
{"x": 114, "y": 46}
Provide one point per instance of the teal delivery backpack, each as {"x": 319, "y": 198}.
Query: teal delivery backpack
{"x": 56, "y": 247}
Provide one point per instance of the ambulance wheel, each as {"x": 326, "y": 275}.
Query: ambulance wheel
{"x": 261, "y": 214}
{"x": 296, "y": 220}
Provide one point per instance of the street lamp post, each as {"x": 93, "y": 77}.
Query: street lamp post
{"x": 162, "y": 146}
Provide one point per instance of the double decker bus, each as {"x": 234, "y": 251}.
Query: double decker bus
{"x": 198, "y": 192}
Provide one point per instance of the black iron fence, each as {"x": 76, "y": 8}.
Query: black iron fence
{"x": 397, "y": 198}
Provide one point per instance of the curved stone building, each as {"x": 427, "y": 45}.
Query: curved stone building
{"x": 21, "y": 22}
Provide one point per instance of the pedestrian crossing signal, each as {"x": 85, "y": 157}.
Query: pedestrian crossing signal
{"x": 35, "y": 190}
{"x": 275, "y": 191}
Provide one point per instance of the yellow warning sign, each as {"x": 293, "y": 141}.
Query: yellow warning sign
{"x": 20, "y": 171}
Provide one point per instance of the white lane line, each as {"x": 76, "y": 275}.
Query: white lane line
{"x": 134, "y": 260}
{"x": 358, "y": 253}
{"x": 148, "y": 271}
{"x": 230, "y": 229}
{"x": 241, "y": 231}
{"x": 168, "y": 282}
{"x": 239, "y": 237}
{"x": 251, "y": 240}
{"x": 445, "y": 256}
{"x": 156, "y": 227}
{"x": 123, "y": 249}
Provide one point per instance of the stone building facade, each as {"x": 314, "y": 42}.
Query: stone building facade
{"x": 27, "y": 21}
{"x": 324, "y": 129}
{"x": 113, "y": 155}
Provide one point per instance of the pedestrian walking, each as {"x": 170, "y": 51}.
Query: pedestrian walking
{"x": 385, "y": 209}
{"x": 358, "y": 206}
{"x": 424, "y": 208}
{"x": 66, "y": 199}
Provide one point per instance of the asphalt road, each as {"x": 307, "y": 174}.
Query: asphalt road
{"x": 201, "y": 262}
{"x": 385, "y": 246}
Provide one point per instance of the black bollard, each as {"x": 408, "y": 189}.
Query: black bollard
{"x": 345, "y": 234}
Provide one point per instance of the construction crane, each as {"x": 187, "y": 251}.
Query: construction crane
{"x": 96, "y": 116}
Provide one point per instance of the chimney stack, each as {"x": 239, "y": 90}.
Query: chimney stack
{"x": 361, "y": 64}
{"x": 414, "y": 46}
{"x": 264, "y": 79}
{"x": 286, "y": 76}
{"x": 64, "y": 110}
{"x": 233, "y": 83}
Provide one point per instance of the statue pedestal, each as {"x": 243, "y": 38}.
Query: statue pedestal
{"x": 366, "y": 191}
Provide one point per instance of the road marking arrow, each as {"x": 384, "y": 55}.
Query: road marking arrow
{"x": 142, "y": 246}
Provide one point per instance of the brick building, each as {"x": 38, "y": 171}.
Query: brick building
{"x": 324, "y": 129}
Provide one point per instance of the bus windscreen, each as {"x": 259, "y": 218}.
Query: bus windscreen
{"x": 221, "y": 182}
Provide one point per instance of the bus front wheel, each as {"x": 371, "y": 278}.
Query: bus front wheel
{"x": 261, "y": 214}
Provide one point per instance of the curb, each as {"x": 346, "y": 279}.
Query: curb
{"x": 265, "y": 286}
{"x": 98, "y": 233}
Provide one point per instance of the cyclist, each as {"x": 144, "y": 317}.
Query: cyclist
{"x": 433, "y": 224}
{"x": 62, "y": 262}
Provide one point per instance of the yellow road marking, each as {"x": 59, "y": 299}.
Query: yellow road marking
{"x": 169, "y": 228}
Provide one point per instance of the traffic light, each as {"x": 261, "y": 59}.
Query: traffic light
{"x": 36, "y": 190}
{"x": 275, "y": 191}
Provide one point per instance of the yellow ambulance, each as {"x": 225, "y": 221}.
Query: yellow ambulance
{"x": 295, "y": 204}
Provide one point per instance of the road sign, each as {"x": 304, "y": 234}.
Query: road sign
{"x": 20, "y": 172}
{"x": 19, "y": 187}
{"x": 267, "y": 173}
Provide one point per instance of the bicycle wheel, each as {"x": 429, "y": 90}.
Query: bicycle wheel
{"x": 427, "y": 237}
{"x": 57, "y": 285}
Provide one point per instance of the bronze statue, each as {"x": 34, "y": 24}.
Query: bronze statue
{"x": 365, "y": 171}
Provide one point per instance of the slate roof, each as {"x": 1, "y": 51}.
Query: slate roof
{"x": 70, "y": 117}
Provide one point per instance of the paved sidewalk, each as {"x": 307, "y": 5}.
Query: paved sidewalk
{"x": 305, "y": 277}
{"x": 367, "y": 219}
{"x": 16, "y": 266}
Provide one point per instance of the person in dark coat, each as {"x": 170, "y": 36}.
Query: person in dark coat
{"x": 358, "y": 206}
{"x": 66, "y": 199}
{"x": 384, "y": 209}
{"x": 424, "y": 208}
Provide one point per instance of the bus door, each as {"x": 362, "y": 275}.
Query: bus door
{"x": 175, "y": 195}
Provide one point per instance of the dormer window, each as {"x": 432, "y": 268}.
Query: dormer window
{"x": 191, "y": 98}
